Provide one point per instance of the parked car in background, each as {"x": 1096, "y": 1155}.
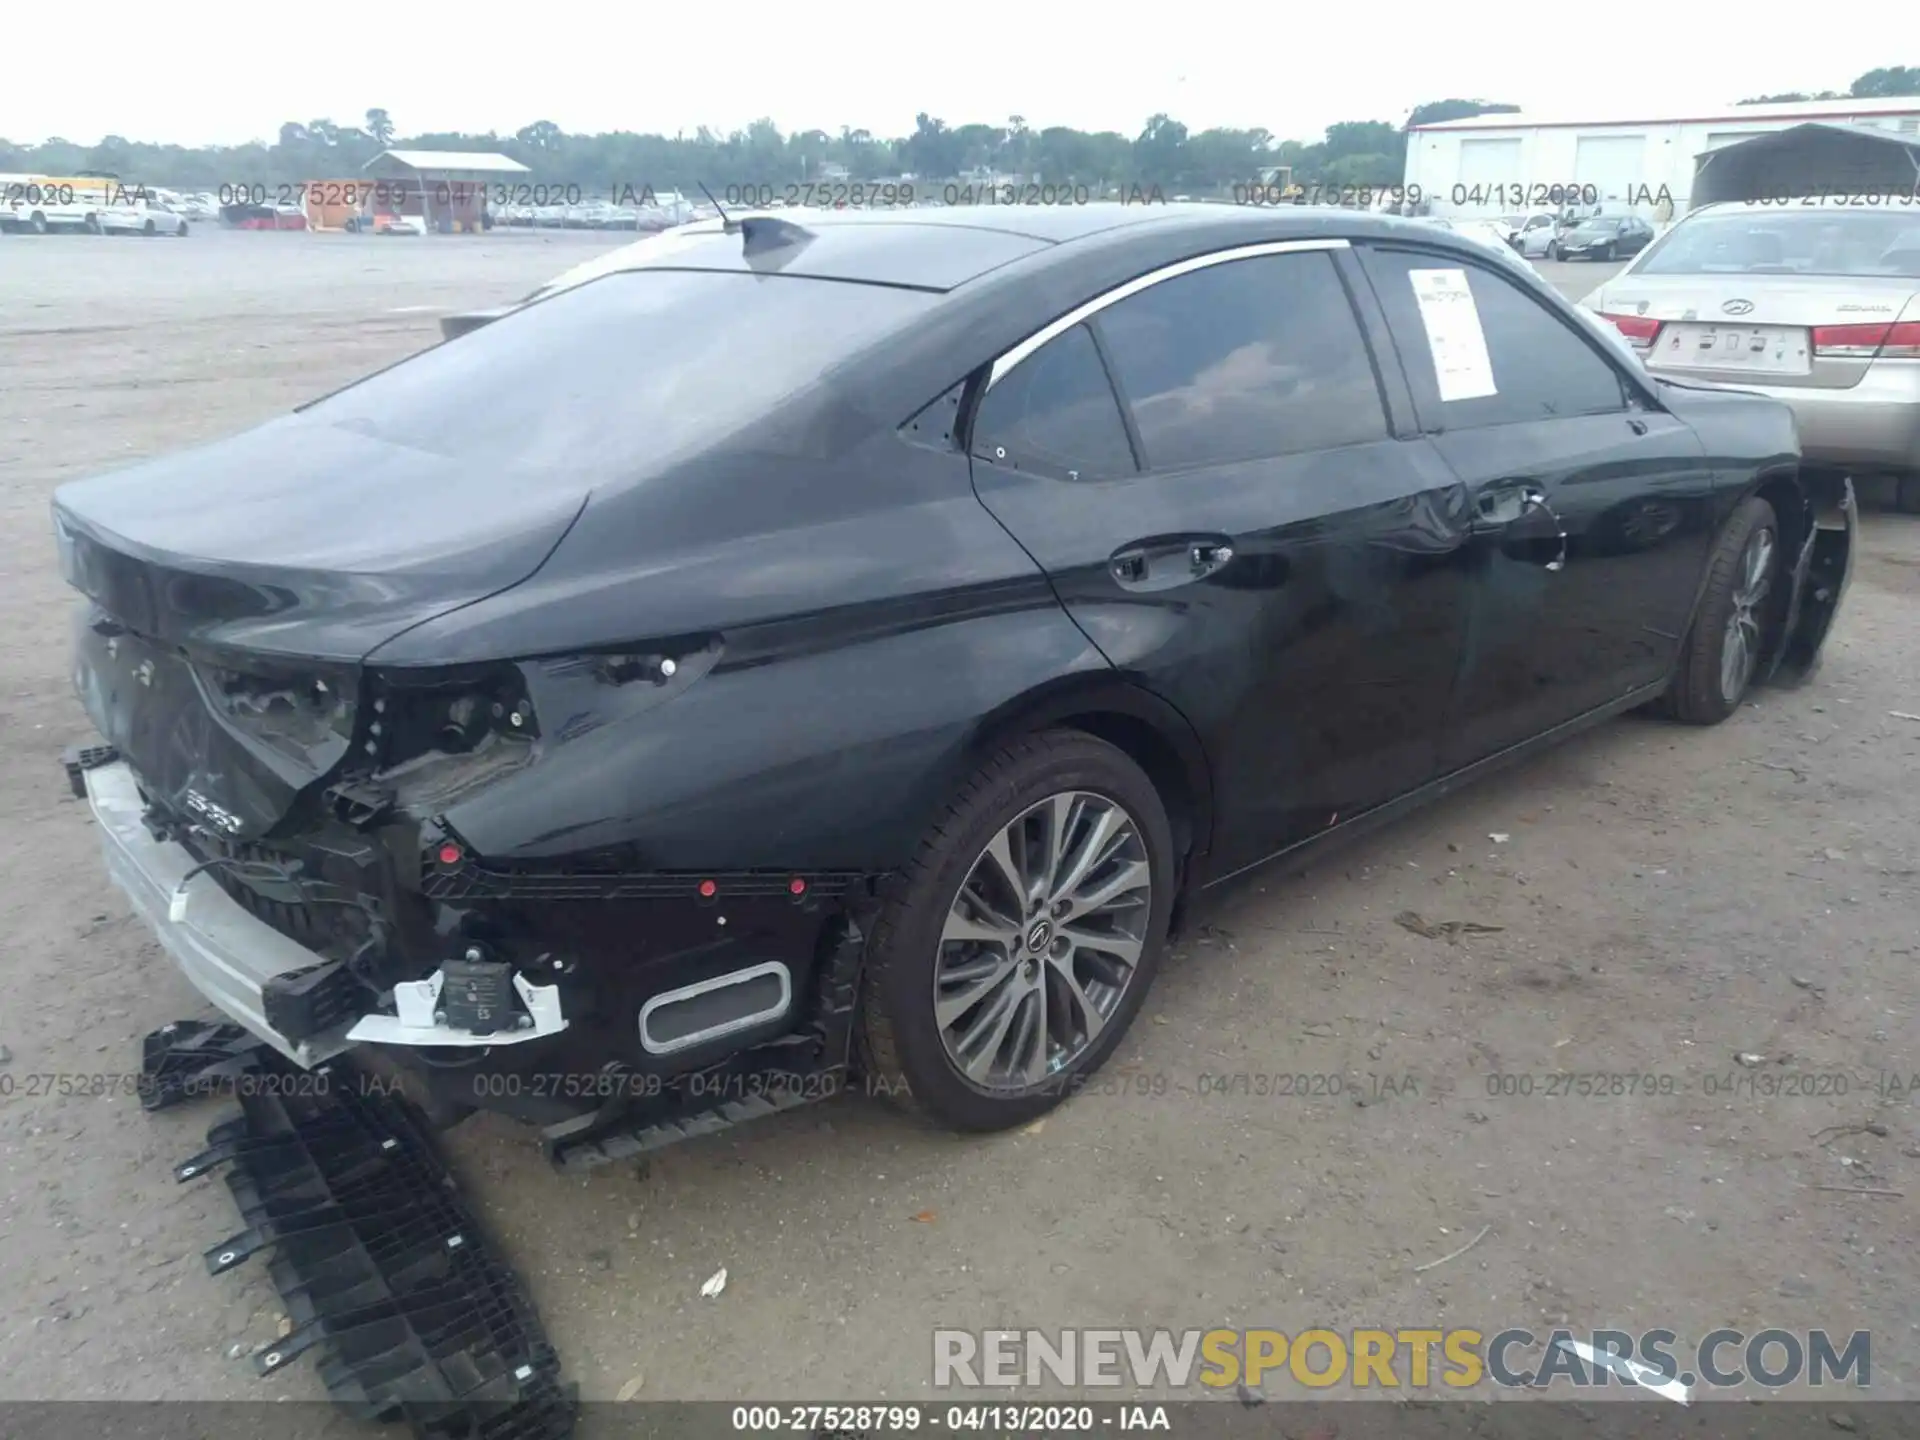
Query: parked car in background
{"x": 149, "y": 216}
{"x": 1534, "y": 238}
{"x": 1530, "y": 234}
{"x": 1488, "y": 233}
{"x": 1602, "y": 237}
{"x": 573, "y": 700}
{"x": 1815, "y": 304}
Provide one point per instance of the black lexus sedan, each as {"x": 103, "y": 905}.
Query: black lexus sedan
{"x": 843, "y": 644}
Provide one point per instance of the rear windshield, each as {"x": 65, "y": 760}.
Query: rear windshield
{"x": 1815, "y": 240}
{"x": 624, "y": 371}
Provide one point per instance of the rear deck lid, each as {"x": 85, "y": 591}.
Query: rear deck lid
{"x": 1769, "y": 295}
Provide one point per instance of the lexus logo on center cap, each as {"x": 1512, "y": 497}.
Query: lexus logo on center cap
{"x": 1738, "y": 307}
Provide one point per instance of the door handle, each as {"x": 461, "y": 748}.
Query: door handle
{"x": 1205, "y": 558}
{"x": 1499, "y": 506}
{"x": 1161, "y": 563}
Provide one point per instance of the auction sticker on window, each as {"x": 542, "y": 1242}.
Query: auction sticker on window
{"x": 1459, "y": 346}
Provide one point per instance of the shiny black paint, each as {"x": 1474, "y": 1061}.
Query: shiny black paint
{"x": 880, "y": 610}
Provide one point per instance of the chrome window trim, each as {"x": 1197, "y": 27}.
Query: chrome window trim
{"x": 1144, "y": 282}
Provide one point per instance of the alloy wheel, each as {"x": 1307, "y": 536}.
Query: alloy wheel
{"x": 1042, "y": 941}
{"x": 1740, "y": 650}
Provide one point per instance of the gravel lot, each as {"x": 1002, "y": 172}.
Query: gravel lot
{"x": 1666, "y": 898}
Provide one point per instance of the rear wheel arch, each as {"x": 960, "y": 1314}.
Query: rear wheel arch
{"x": 1148, "y": 730}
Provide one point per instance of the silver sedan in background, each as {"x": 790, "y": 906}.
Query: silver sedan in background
{"x": 1815, "y": 303}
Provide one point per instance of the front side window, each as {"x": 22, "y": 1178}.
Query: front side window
{"x": 1244, "y": 360}
{"x": 1503, "y": 359}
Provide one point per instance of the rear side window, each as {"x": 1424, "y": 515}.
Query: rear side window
{"x": 1534, "y": 366}
{"x": 1243, "y": 360}
{"x": 603, "y": 380}
{"x": 1055, "y": 414}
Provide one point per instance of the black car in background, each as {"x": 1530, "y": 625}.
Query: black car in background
{"x": 1602, "y": 237}
{"x": 853, "y": 639}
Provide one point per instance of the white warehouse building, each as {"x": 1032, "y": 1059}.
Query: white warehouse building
{"x": 1500, "y": 164}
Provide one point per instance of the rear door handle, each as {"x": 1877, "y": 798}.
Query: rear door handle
{"x": 1501, "y": 505}
{"x": 1207, "y": 557}
{"x": 1164, "y": 562}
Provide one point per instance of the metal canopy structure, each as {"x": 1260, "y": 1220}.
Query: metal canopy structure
{"x": 447, "y": 189}
{"x": 1818, "y": 158}
{"x": 444, "y": 165}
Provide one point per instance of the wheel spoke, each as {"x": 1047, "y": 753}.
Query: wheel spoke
{"x": 980, "y": 1046}
{"x": 1122, "y": 948}
{"x": 1084, "y": 1022}
{"x": 998, "y": 860}
{"x": 973, "y": 982}
{"x": 1133, "y": 875}
{"x": 997, "y": 931}
{"x": 1031, "y": 1041}
{"x": 1060, "y": 813}
{"x": 1104, "y": 835}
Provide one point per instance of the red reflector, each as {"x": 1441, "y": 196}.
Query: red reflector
{"x": 708, "y": 889}
{"x": 449, "y": 854}
{"x": 1868, "y": 340}
{"x": 797, "y": 886}
{"x": 1635, "y": 327}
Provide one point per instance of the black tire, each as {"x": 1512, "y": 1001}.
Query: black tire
{"x": 149, "y": 229}
{"x": 1553, "y": 250}
{"x": 1910, "y": 494}
{"x": 901, "y": 1047}
{"x": 1607, "y": 252}
{"x": 38, "y": 223}
{"x": 1698, "y": 695}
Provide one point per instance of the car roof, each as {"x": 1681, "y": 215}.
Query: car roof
{"x": 942, "y": 248}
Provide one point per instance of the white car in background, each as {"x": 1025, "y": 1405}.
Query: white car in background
{"x": 141, "y": 217}
{"x": 1489, "y": 233}
{"x": 1532, "y": 235}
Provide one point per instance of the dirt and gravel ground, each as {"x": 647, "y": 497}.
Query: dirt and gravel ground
{"x": 1665, "y": 898}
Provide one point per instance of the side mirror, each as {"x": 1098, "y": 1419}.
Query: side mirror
{"x": 452, "y": 327}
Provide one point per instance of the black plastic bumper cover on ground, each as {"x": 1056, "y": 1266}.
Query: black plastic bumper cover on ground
{"x": 382, "y": 1268}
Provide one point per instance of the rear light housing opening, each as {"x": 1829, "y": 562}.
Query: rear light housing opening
{"x": 1640, "y": 330}
{"x": 1881, "y": 340}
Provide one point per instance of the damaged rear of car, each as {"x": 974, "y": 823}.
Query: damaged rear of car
{"x": 431, "y": 709}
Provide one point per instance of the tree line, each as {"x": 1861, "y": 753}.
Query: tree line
{"x": 1165, "y": 153}
{"x": 1888, "y": 82}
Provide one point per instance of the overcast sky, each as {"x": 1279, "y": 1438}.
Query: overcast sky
{"x": 211, "y": 72}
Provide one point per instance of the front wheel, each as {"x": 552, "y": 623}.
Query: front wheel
{"x": 1606, "y": 252}
{"x": 1024, "y": 935}
{"x": 1723, "y": 649}
{"x": 1553, "y": 250}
